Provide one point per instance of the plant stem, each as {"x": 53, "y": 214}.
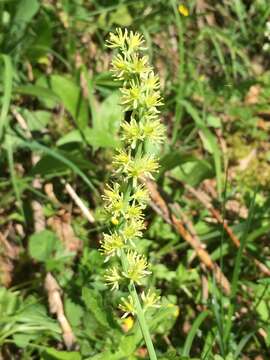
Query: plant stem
{"x": 236, "y": 273}
{"x": 140, "y": 313}
{"x": 181, "y": 72}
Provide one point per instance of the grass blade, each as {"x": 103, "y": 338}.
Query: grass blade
{"x": 14, "y": 183}
{"x": 8, "y": 75}
{"x": 192, "y": 333}
{"x": 33, "y": 145}
{"x": 236, "y": 272}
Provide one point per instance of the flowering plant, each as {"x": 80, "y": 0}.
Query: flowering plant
{"x": 126, "y": 199}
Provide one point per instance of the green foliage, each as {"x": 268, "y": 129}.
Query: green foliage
{"x": 60, "y": 123}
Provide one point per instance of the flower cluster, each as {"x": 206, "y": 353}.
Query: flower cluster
{"x": 127, "y": 197}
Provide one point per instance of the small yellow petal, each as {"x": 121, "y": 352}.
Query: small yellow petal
{"x": 176, "y": 309}
{"x": 183, "y": 10}
{"x": 114, "y": 220}
{"x": 127, "y": 323}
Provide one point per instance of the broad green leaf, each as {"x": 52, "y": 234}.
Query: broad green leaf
{"x": 209, "y": 139}
{"x": 9, "y": 301}
{"x": 174, "y": 159}
{"x": 213, "y": 121}
{"x": 72, "y": 136}
{"x": 74, "y": 312}
{"x": 71, "y": 96}
{"x": 37, "y": 120}
{"x": 40, "y": 92}
{"x": 25, "y": 11}
{"x": 193, "y": 172}
{"x": 106, "y": 122}
{"x": 121, "y": 16}
{"x": 52, "y": 354}
{"x": 22, "y": 340}
{"x": 42, "y": 44}
{"x": 42, "y": 245}
{"x": 100, "y": 138}
{"x": 33, "y": 145}
{"x": 94, "y": 303}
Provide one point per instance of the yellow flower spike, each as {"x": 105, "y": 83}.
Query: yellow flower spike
{"x": 140, "y": 99}
{"x": 183, "y": 10}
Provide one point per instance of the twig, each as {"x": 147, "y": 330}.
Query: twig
{"x": 56, "y": 307}
{"x": 79, "y": 203}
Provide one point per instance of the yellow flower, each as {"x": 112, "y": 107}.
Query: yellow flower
{"x": 154, "y": 131}
{"x": 133, "y": 229}
{"x": 127, "y": 323}
{"x": 150, "y": 299}
{"x": 113, "y": 277}
{"x": 153, "y": 100}
{"x": 114, "y": 201}
{"x": 131, "y": 97}
{"x": 121, "y": 161}
{"x": 140, "y": 65}
{"x": 151, "y": 82}
{"x": 120, "y": 67}
{"x": 141, "y": 195}
{"x": 111, "y": 245}
{"x": 132, "y": 132}
{"x": 141, "y": 167}
{"x": 127, "y": 306}
{"x": 137, "y": 267}
{"x": 118, "y": 39}
{"x": 183, "y": 10}
{"x": 135, "y": 41}
{"x": 133, "y": 212}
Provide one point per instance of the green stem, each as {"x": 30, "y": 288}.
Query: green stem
{"x": 140, "y": 313}
{"x": 181, "y": 72}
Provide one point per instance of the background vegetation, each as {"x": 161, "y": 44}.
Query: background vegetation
{"x": 208, "y": 224}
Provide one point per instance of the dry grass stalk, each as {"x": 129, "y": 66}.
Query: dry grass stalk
{"x": 85, "y": 211}
{"x": 56, "y": 307}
